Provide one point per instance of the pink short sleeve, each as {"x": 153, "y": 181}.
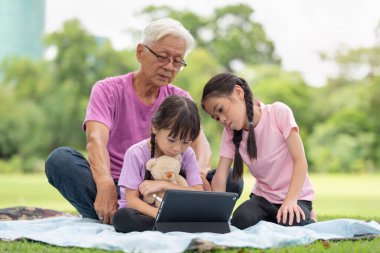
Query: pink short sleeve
{"x": 284, "y": 119}
{"x": 131, "y": 174}
{"x": 100, "y": 106}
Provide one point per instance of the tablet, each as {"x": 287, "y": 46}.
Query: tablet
{"x": 195, "y": 211}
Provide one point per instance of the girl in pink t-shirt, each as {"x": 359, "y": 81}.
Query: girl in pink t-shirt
{"x": 175, "y": 125}
{"x": 266, "y": 138}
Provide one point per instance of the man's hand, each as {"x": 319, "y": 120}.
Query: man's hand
{"x": 106, "y": 201}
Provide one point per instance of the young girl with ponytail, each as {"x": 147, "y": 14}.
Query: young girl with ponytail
{"x": 175, "y": 125}
{"x": 266, "y": 138}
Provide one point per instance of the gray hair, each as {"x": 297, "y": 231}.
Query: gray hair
{"x": 164, "y": 27}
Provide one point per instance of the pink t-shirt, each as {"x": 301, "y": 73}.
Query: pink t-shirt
{"x": 273, "y": 167}
{"x": 134, "y": 167}
{"x": 114, "y": 103}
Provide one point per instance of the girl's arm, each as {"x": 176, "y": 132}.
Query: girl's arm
{"x": 202, "y": 151}
{"x": 297, "y": 180}
{"x": 133, "y": 201}
{"x": 152, "y": 186}
{"x": 219, "y": 181}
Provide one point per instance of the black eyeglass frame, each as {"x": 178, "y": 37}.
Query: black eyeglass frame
{"x": 166, "y": 59}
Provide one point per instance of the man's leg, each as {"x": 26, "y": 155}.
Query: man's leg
{"x": 232, "y": 185}
{"x": 69, "y": 172}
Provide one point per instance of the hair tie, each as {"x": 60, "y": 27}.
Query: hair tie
{"x": 251, "y": 123}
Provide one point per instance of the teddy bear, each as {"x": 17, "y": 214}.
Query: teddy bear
{"x": 165, "y": 168}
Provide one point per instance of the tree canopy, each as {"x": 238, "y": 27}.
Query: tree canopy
{"x": 44, "y": 101}
{"x": 230, "y": 34}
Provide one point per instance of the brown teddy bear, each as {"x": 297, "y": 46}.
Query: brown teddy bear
{"x": 165, "y": 168}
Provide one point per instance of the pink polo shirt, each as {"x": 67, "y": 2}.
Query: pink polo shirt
{"x": 114, "y": 103}
{"x": 273, "y": 167}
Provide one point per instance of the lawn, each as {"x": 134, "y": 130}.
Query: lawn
{"x": 30, "y": 190}
{"x": 338, "y": 196}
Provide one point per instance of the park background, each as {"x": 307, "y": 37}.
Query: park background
{"x": 44, "y": 95}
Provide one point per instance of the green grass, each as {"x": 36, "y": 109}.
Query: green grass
{"x": 347, "y": 195}
{"x": 31, "y": 190}
{"x": 365, "y": 246}
{"x": 337, "y": 196}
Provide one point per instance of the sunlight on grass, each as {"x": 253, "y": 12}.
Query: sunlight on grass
{"x": 337, "y": 195}
{"x": 347, "y": 195}
{"x": 31, "y": 190}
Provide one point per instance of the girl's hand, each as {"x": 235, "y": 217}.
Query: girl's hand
{"x": 152, "y": 186}
{"x": 206, "y": 184}
{"x": 290, "y": 207}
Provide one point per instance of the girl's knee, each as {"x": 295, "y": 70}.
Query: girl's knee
{"x": 119, "y": 219}
{"x": 243, "y": 220}
{"x": 302, "y": 222}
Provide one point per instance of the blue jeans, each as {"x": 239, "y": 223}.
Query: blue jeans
{"x": 69, "y": 172}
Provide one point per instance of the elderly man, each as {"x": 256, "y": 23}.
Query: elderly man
{"x": 118, "y": 115}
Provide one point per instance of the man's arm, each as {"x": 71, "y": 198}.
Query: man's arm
{"x": 105, "y": 205}
{"x": 202, "y": 151}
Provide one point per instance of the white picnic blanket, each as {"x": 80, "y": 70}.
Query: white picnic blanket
{"x": 88, "y": 233}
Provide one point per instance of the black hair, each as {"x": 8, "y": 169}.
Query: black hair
{"x": 180, "y": 115}
{"x": 223, "y": 85}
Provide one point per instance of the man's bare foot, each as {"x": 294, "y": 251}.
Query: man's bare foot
{"x": 313, "y": 215}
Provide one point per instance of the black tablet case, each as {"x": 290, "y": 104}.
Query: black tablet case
{"x": 195, "y": 211}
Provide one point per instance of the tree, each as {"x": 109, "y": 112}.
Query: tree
{"x": 23, "y": 130}
{"x": 230, "y": 34}
{"x": 346, "y": 136}
{"x": 48, "y": 98}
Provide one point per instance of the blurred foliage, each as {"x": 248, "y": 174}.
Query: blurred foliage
{"x": 43, "y": 102}
{"x": 48, "y": 98}
{"x": 230, "y": 34}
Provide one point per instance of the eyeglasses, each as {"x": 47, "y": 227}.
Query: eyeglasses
{"x": 178, "y": 63}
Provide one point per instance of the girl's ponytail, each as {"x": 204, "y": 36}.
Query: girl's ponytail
{"x": 237, "y": 171}
{"x": 148, "y": 175}
{"x": 251, "y": 140}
